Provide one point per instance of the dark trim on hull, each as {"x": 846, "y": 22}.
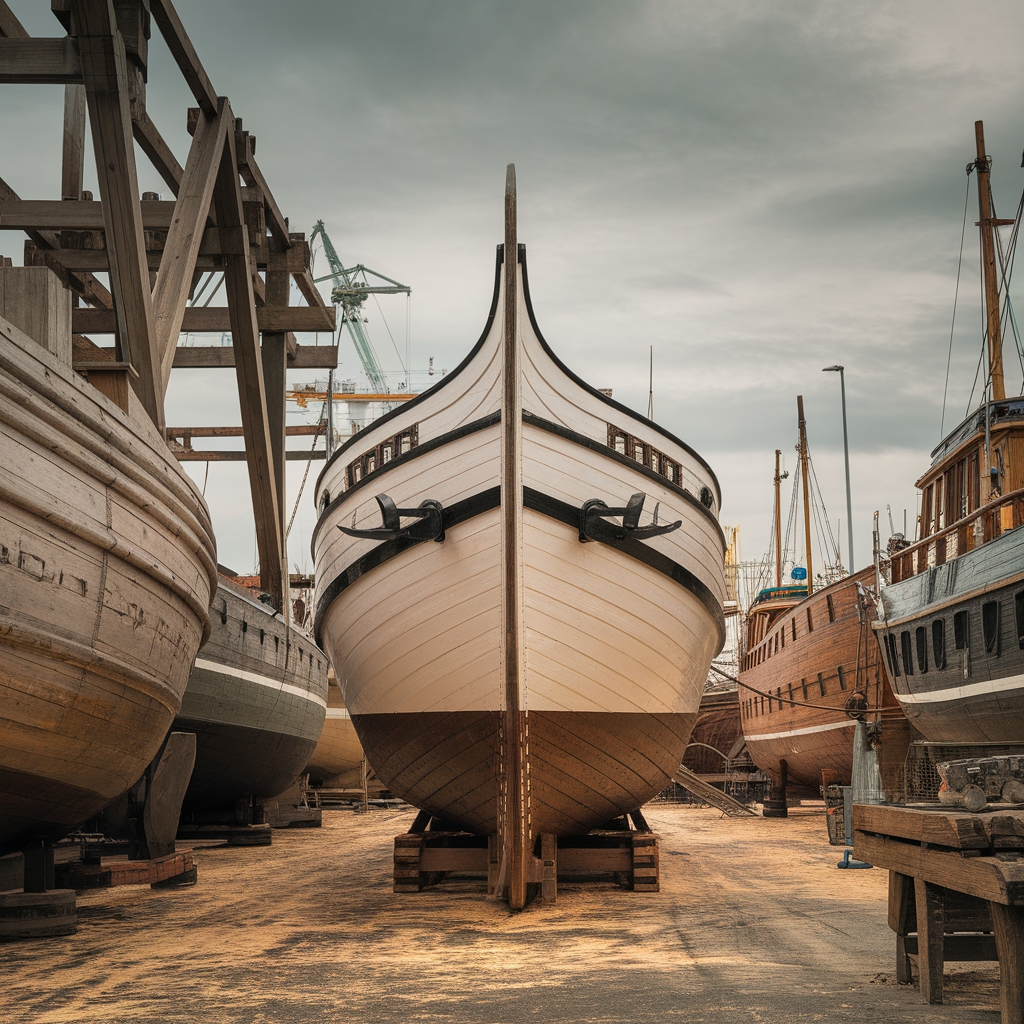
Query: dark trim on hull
{"x": 536, "y": 501}
{"x": 34, "y": 808}
{"x": 233, "y": 761}
{"x": 832, "y": 749}
{"x": 585, "y": 767}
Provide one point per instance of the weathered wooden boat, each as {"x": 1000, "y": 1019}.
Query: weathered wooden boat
{"x": 255, "y": 699}
{"x": 951, "y": 615}
{"x": 107, "y": 564}
{"x": 338, "y": 753}
{"x": 810, "y": 669}
{"x": 523, "y": 641}
{"x": 715, "y": 733}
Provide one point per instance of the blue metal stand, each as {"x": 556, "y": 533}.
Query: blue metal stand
{"x": 847, "y": 863}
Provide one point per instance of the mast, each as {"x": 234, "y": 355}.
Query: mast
{"x": 778, "y": 521}
{"x": 513, "y": 810}
{"x": 802, "y": 424}
{"x": 987, "y": 226}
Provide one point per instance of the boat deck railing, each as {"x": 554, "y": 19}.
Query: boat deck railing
{"x": 998, "y": 516}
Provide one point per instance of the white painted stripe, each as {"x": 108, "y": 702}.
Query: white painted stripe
{"x": 252, "y": 677}
{"x": 338, "y": 713}
{"x": 961, "y": 692}
{"x": 802, "y": 732}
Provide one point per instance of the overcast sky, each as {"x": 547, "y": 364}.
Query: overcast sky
{"x": 757, "y": 190}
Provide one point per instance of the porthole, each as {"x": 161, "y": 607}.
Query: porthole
{"x": 707, "y": 499}
{"x": 325, "y": 500}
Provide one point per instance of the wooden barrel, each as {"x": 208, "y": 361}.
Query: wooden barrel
{"x": 37, "y": 915}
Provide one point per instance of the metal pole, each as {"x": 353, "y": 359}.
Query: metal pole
{"x": 330, "y": 414}
{"x": 846, "y": 455}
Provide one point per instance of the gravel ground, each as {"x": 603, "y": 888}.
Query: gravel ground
{"x": 753, "y": 923}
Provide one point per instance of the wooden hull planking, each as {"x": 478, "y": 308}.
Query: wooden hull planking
{"x": 106, "y": 569}
{"x": 338, "y": 751}
{"x": 617, "y": 636}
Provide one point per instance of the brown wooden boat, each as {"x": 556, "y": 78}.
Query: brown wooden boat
{"x": 715, "y": 732}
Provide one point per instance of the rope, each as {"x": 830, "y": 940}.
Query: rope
{"x": 800, "y": 703}
{"x": 309, "y": 462}
{"x": 956, "y": 295}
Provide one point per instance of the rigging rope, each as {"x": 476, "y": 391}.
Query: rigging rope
{"x": 309, "y": 462}
{"x": 956, "y": 294}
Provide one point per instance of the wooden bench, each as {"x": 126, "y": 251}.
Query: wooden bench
{"x": 957, "y": 880}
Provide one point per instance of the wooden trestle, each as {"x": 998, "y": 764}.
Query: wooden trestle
{"x": 215, "y": 223}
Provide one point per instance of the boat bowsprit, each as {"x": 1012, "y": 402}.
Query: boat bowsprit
{"x": 520, "y": 587}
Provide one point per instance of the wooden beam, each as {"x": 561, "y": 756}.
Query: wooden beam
{"x": 274, "y": 352}
{"x": 104, "y": 71}
{"x": 217, "y": 319}
{"x": 43, "y": 61}
{"x": 310, "y": 292}
{"x": 10, "y": 27}
{"x": 151, "y": 142}
{"x": 174, "y": 279}
{"x": 239, "y": 455}
{"x": 212, "y": 250}
{"x": 73, "y": 153}
{"x": 185, "y": 55}
{"x": 173, "y": 433}
{"x": 249, "y": 373}
{"x": 87, "y": 215}
{"x": 276, "y": 221}
{"x": 305, "y": 357}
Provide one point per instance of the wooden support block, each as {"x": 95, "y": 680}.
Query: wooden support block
{"x": 954, "y": 829}
{"x": 217, "y": 319}
{"x": 549, "y": 864}
{"x": 43, "y": 61}
{"x": 493, "y": 863}
{"x": 646, "y": 867}
{"x": 1008, "y": 926}
{"x": 931, "y": 926}
{"x": 36, "y": 302}
{"x": 407, "y": 875}
{"x": 112, "y": 379}
{"x": 902, "y": 920}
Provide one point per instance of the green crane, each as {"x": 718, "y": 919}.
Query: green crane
{"x": 351, "y": 286}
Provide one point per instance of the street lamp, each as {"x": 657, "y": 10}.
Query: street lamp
{"x": 846, "y": 452}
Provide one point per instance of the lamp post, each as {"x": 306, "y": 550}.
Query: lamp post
{"x": 846, "y": 453}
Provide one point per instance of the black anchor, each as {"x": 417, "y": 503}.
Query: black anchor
{"x": 429, "y": 525}
{"x": 595, "y": 508}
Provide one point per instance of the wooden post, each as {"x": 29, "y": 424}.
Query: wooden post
{"x": 549, "y": 867}
{"x": 778, "y": 521}
{"x": 408, "y": 850}
{"x": 249, "y": 372}
{"x": 73, "y": 162}
{"x": 105, "y": 75}
{"x": 275, "y": 363}
{"x": 1008, "y": 926}
{"x": 931, "y": 927}
{"x": 802, "y": 424}
{"x": 901, "y": 888}
{"x": 513, "y": 794}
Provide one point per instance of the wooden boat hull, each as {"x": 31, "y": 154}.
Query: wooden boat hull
{"x": 617, "y": 634}
{"x": 977, "y": 696}
{"x": 715, "y": 733}
{"x": 256, "y": 700}
{"x": 338, "y": 751}
{"x": 106, "y": 570}
{"x": 826, "y": 658}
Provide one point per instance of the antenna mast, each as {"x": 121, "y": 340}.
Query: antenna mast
{"x": 802, "y": 424}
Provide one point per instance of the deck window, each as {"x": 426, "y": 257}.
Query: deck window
{"x": 390, "y": 448}
{"x": 939, "y": 643}
{"x": 921, "y": 640}
{"x": 990, "y": 622}
{"x": 810, "y": 622}
{"x": 908, "y": 653}
{"x": 842, "y": 677}
{"x": 891, "y": 656}
{"x": 1018, "y": 607}
{"x": 792, "y": 623}
{"x": 962, "y": 630}
{"x": 831, "y": 608}
{"x": 640, "y": 451}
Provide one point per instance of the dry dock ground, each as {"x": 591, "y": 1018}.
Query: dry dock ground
{"x": 753, "y": 923}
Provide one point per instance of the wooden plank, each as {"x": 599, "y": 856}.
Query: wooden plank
{"x": 303, "y": 430}
{"x": 213, "y": 246}
{"x": 151, "y": 142}
{"x": 87, "y": 215}
{"x": 274, "y": 352}
{"x": 73, "y": 153}
{"x": 549, "y": 867}
{"x": 239, "y": 455}
{"x": 958, "y": 830}
{"x": 251, "y": 388}
{"x": 43, "y": 61}
{"x": 276, "y": 221}
{"x": 185, "y": 55}
{"x": 957, "y": 948}
{"x": 454, "y": 858}
{"x": 988, "y": 878}
{"x": 594, "y": 860}
{"x": 931, "y": 926}
{"x": 305, "y": 357}
{"x": 104, "y": 70}
{"x": 1008, "y": 926}
{"x": 310, "y": 292}
{"x": 217, "y": 319}
{"x": 10, "y": 27}
{"x": 174, "y": 279}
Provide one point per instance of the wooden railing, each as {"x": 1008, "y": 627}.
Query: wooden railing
{"x": 998, "y": 516}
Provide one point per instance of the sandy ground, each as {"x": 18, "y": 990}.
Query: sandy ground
{"x": 753, "y": 923}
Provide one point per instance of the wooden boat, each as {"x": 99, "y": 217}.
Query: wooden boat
{"x": 715, "y": 732}
{"x": 255, "y": 699}
{"x": 951, "y": 616}
{"x": 522, "y": 645}
{"x": 338, "y": 752}
{"x": 107, "y": 565}
{"x": 810, "y": 669}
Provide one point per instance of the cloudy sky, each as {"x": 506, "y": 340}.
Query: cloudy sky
{"x": 755, "y": 190}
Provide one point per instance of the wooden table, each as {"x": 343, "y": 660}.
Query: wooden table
{"x": 957, "y": 879}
